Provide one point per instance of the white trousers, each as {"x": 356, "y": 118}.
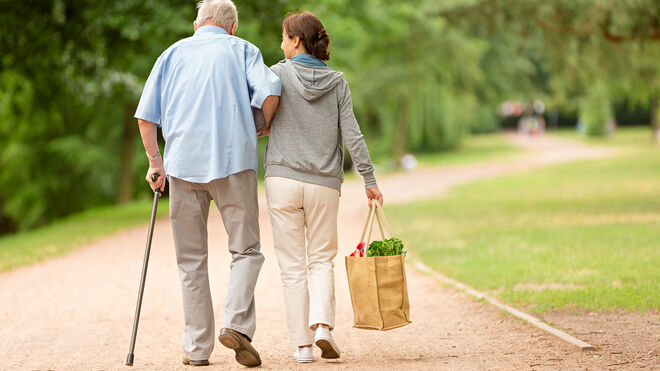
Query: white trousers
{"x": 304, "y": 221}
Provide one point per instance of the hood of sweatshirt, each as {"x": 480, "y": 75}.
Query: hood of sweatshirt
{"x": 311, "y": 82}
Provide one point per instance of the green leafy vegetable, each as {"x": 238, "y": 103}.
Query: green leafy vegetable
{"x": 389, "y": 247}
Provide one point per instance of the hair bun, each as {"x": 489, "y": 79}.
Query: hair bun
{"x": 313, "y": 35}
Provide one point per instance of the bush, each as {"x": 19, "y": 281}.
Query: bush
{"x": 595, "y": 113}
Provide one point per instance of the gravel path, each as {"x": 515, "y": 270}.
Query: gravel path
{"x": 76, "y": 311}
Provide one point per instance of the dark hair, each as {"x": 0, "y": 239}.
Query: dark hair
{"x": 311, "y": 32}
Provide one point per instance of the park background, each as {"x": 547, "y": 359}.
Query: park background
{"x": 431, "y": 78}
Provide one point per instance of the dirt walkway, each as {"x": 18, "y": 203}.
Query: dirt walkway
{"x": 75, "y": 312}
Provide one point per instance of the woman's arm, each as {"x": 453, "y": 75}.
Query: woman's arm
{"x": 357, "y": 147}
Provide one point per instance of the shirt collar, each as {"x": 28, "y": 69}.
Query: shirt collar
{"x": 211, "y": 29}
{"x": 308, "y": 60}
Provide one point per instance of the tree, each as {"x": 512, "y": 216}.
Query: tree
{"x": 587, "y": 47}
{"x": 70, "y": 69}
{"x": 409, "y": 73}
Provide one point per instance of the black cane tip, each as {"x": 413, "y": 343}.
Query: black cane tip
{"x": 129, "y": 359}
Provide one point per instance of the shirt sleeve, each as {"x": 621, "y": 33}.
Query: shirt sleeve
{"x": 353, "y": 138}
{"x": 262, "y": 82}
{"x": 149, "y": 107}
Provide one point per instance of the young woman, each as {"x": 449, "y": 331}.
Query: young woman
{"x": 304, "y": 173}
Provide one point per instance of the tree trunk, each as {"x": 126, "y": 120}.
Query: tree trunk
{"x": 401, "y": 132}
{"x": 654, "y": 118}
{"x": 126, "y": 184}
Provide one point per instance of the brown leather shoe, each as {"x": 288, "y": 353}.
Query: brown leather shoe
{"x": 246, "y": 355}
{"x": 189, "y": 362}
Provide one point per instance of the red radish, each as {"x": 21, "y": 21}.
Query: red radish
{"x": 359, "y": 250}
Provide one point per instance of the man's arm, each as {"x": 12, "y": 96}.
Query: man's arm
{"x": 149, "y": 134}
{"x": 148, "y": 114}
{"x": 268, "y": 108}
{"x": 265, "y": 87}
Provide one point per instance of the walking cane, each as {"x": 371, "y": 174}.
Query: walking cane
{"x": 145, "y": 263}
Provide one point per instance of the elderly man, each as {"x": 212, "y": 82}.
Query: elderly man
{"x": 200, "y": 93}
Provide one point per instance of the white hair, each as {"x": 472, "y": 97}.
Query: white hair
{"x": 220, "y": 12}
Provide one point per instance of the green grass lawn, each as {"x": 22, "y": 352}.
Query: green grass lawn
{"x": 67, "y": 234}
{"x": 582, "y": 236}
{"x": 476, "y": 148}
{"x": 472, "y": 149}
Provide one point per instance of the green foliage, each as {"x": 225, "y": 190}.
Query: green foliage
{"x": 483, "y": 120}
{"x": 554, "y": 238}
{"x": 561, "y": 50}
{"x": 388, "y": 247}
{"x": 70, "y": 73}
{"x": 414, "y": 95}
{"x": 595, "y": 114}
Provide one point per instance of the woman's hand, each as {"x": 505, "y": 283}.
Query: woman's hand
{"x": 264, "y": 132}
{"x": 374, "y": 194}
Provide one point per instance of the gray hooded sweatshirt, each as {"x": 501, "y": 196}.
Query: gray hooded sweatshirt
{"x": 314, "y": 116}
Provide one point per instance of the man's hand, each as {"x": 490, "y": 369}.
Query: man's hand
{"x": 156, "y": 167}
{"x": 148, "y": 131}
{"x": 374, "y": 194}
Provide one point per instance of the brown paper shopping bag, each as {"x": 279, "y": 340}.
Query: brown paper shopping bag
{"x": 378, "y": 287}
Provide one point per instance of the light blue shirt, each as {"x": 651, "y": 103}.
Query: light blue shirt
{"x": 200, "y": 92}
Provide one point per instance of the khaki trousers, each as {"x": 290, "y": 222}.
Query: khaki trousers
{"x": 304, "y": 221}
{"x": 236, "y": 199}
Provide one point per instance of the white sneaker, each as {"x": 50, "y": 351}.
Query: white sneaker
{"x": 324, "y": 340}
{"x": 303, "y": 355}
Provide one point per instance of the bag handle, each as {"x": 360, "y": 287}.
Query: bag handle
{"x": 374, "y": 216}
{"x": 382, "y": 221}
{"x": 367, "y": 225}
{"x": 373, "y": 212}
